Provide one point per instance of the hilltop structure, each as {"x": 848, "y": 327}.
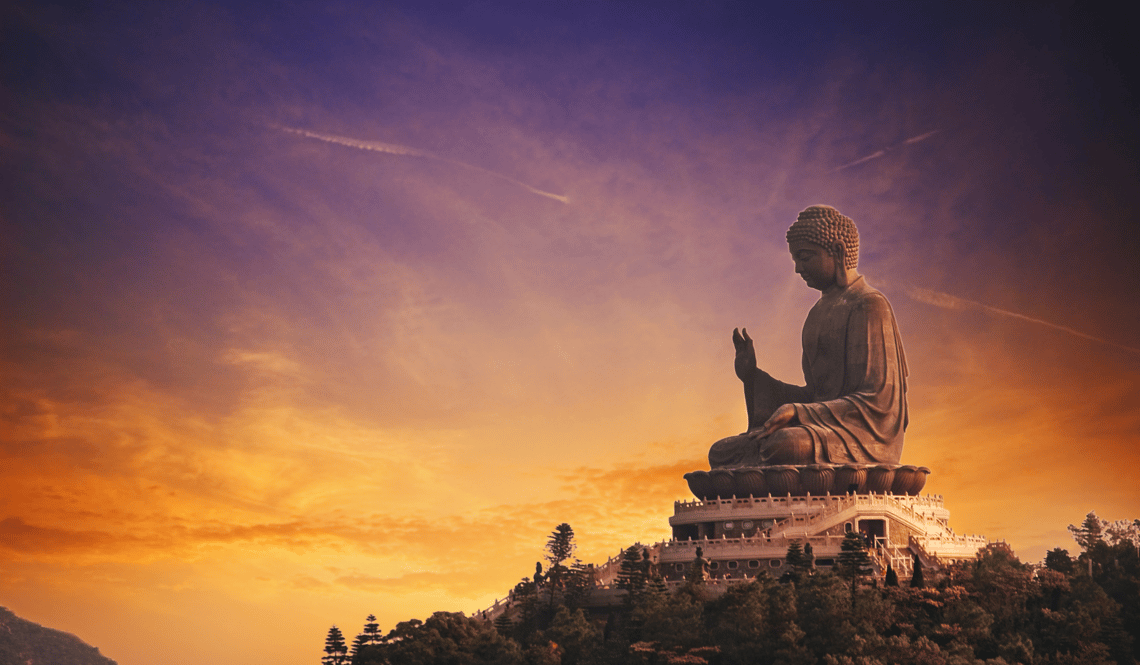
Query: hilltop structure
{"x": 743, "y": 536}
{"x": 817, "y": 461}
{"x": 821, "y": 460}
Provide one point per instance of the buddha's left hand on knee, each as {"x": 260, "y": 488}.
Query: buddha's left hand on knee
{"x": 784, "y": 416}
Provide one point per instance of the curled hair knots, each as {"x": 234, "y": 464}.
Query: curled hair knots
{"x": 824, "y": 226}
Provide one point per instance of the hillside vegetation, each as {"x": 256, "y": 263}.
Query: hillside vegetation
{"x": 995, "y": 610}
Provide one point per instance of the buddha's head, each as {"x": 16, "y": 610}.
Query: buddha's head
{"x": 825, "y": 245}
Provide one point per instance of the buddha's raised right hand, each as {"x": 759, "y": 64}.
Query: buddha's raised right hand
{"x": 745, "y": 354}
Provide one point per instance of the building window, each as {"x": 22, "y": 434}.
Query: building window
{"x": 775, "y": 563}
{"x": 714, "y": 565}
{"x": 746, "y": 525}
{"x": 754, "y": 564}
{"x": 729, "y": 525}
{"x": 732, "y": 565}
{"x": 825, "y": 562}
{"x": 679, "y": 567}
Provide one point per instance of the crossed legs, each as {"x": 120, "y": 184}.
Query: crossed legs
{"x": 790, "y": 445}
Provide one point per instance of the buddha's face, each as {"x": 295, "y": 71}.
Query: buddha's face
{"x": 813, "y": 263}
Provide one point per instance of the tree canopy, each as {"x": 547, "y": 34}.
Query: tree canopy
{"x": 336, "y": 651}
{"x": 994, "y": 610}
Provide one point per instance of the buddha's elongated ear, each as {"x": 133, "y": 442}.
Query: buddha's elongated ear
{"x": 839, "y": 252}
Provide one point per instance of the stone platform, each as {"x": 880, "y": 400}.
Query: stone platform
{"x": 813, "y": 480}
{"x": 741, "y": 537}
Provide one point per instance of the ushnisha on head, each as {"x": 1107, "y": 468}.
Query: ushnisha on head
{"x": 826, "y": 226}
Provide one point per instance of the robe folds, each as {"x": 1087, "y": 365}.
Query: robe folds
{"x": 853, "y": 408}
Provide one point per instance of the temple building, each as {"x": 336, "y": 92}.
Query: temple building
{"x": 741, "y": 534}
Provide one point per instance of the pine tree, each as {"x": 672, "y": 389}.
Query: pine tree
{"x": 853, "y": 560}
{"x": 560, "y": 545}
{"x": 527, "y": 593}
{"x": 503, "y": 622}
{"x": 794, "y": 563}
{"x": 559, "y": 548}
{"x": 372, "y": 631}
{"x": 1089, "y": 533}
{"x": 892, "y": 577}
{"x": 916, "y": 578}
{"x": 365, "y": 648}
{"x": 358, "y": 645}
{"x": 579, "y": 582}
{"x": 631, "y": 574}
{"x": 793, "y": 558}
{"x": 336, "y": 651}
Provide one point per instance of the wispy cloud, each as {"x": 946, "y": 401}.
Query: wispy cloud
{"x": 947, "y": 301}
{"x": 921, "y": 137}
{"x": 405, "y": 151}
{"x": 879, "y": 153}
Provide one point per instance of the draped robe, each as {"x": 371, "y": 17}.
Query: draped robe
{"x": 853, "y": 408}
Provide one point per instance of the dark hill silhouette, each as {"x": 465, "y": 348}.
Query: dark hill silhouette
{"x": 25, "y": 643}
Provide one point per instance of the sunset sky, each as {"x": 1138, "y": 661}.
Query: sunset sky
{"x": 316, "y": 310}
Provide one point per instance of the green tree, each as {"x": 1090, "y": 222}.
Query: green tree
{"x": 853, "y": 560}
{"x": 358, "y": 647}
{"x": 503, "y": 622}
{"x": 738, "y": 621}
{"x": 450, "y": 638}
{"x": 917, "y": 581}
{"x": 993, "y": 610}
{"x": 798, "y": 561}
{"x": 1006, "y": 590}
{"x": 1059, "y": 560}
{"x": 372, "y": 630}
{"x": 824, "y": 610}
{"x": 794, "y": 556}
{"x": 892, "y": 578}
{"x": 366, "y": 647}
{"x": 579, "y": 583}
{"x": 784, "y": 638}
{"x": 1113, "y": 565}
{"x": 560, "y": 547}
{"x": 526, "y": 592}
{"x": 1123, "y": 531}
{"x": 1089, "y": 533}
{"x": 632, "y": 575}
{"x": 336, "y": 651}
{"x": 671, "y": 620}
{"x": 1081, "y": 625}
{"x": 576, "y": 638}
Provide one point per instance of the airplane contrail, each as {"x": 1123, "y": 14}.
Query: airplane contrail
{"x": 921, "y": 137}
{"x": 947, "y": 301}
{"x": 880, "y": 153}
{"x": 393, "y": 149}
